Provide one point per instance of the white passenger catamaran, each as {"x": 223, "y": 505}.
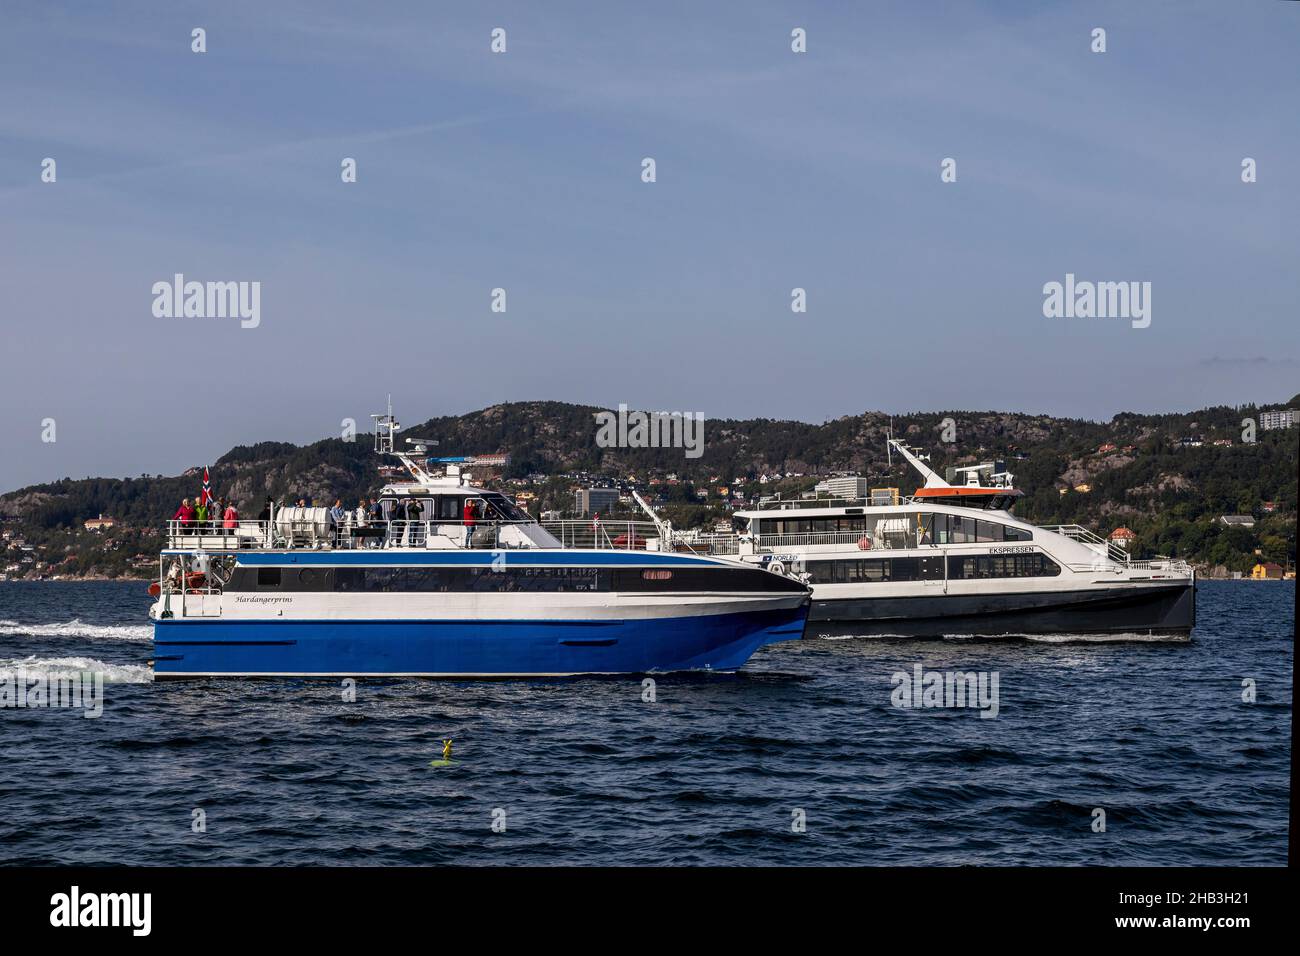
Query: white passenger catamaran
{"x": 953, "y": 559}
{"x": 454, "y": 581}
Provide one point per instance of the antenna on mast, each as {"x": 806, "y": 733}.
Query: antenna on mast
{"x": 386, "y": 427}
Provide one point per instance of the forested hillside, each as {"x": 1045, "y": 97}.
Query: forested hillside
{"x": 1167, "y": 477}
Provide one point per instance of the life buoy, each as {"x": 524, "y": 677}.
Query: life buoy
{"x": 864, "y": 543}
{"x": 195, "y": 579}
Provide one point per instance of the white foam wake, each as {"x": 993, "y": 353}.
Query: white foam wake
{"x": 113, "y": 673}
{"x": 78, "y": 628}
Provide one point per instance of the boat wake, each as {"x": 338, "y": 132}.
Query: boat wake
{"x": 78, "y": 628}
{"x": 113, "y": 673}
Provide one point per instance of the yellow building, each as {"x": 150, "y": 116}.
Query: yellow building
{"x": 1267, "y": 571}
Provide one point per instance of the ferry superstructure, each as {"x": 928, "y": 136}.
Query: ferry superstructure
{"x": 435, "y": 595}
{"x": 953, "y": 559}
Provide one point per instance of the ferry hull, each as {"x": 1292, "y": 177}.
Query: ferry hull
{"x": 466, "y": 648}
{"x": 1167, "y": 609}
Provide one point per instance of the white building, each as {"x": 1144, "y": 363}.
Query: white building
{"x": 1282, "y": 418}
{"x": 844, "y": 487}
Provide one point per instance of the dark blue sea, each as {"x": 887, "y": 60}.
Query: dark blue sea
{"x": 714, "y": 771}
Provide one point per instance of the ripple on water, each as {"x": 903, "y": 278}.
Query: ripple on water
{"x": 715, "y": 771}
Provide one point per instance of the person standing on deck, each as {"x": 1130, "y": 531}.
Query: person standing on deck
{"x": 184, "y": 514}
{"x": 359, "y": 521}
{"x": 469, "y": 522}
{"x": 230, "y": 519}
{"x": 410, "y": 534}
{"x": 337, "y": 515}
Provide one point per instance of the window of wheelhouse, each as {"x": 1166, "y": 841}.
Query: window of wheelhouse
{"x": 962, "y": 529}
{"x": 503, "y": 508}
{"x": 940, "y": 529}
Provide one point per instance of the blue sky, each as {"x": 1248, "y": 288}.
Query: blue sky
{"x": 522, "y": 171}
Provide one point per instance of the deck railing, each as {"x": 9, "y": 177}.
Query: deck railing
{"x": 294, "y": 533}
{"x": 1079, "y": 533}
{"x": 617, "y": 534}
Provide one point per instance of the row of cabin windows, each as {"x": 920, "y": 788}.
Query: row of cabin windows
{"x": 928, "y": 527}
{"x": 419, "y": 579}
{"x": 960, "y": 567}
{"x": 488, "y": 579}
{"x": 449, "y": 508}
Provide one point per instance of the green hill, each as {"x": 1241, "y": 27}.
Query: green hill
{"x": 1171, "y": 494}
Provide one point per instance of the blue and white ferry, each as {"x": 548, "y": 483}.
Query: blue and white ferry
{"x": 427, "y": 593}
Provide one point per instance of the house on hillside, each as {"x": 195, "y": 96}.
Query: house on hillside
{"x": 1237, "y": 521}
{"x": 1124, "y": 537}
{"x": 99, "y": 524}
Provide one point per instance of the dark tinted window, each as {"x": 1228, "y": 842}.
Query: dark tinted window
{"x": 1002, "y": 566}
{"x": 866, "y": 570}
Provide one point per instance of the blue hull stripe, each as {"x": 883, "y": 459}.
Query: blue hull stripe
{"x": 709, "y": 642}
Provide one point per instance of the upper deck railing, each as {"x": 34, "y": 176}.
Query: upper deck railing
{"x": 351, "y": 535}
{"x": 1079, "y": 533}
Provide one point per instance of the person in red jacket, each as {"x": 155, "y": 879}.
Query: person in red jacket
{"x": 184, "y": 514}
{"x": 469, "y": 521}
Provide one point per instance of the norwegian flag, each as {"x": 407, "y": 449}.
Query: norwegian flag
{"x": 207, "y": 488}
{"x": 595, "y": 521}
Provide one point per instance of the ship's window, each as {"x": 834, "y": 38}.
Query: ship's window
{"x": 383, "y": 579}
{"x": 450, "y": 508}
{"x": 853, "y": 571}
{"x": 814, "y": 525}
{"x": 504, "y": 507}
{"x": 987, "y": 531}
{"x": 904, "y": 569}
{"x": 1034, "y": 565}
{"x": 1018, "y": 534}
{"x": 939, "y": 529}
{"x": 268, "y": 577}
{"x": 653, "y": 574}
{"x": 924, "y": 527}
{"x": 963, "y": 529}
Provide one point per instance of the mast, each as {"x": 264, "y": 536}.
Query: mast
{"x": 664, "y": 527}
{"x": 932, "y": 480}
{"x": 386, "y": 429}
